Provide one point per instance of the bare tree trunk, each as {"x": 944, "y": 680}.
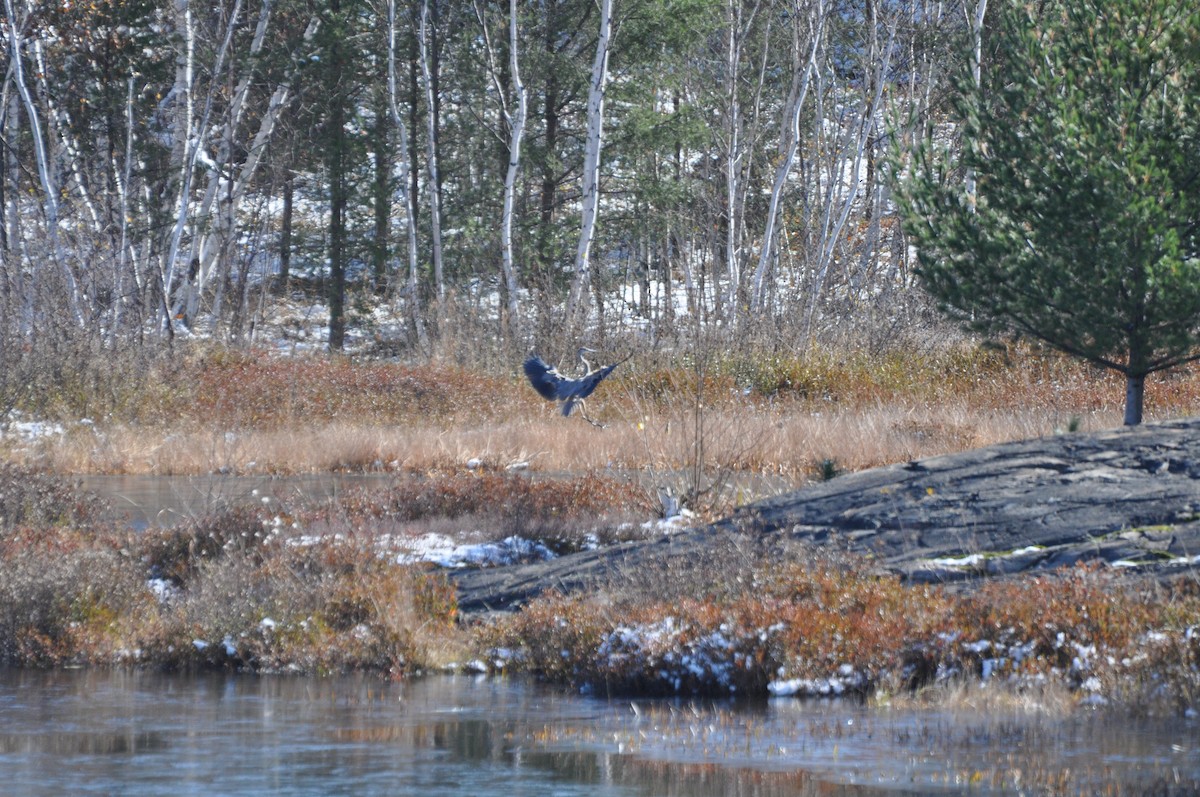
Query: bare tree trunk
{"x": 285, "y": 227}
{"x": 381, "y": 191}
{"x": 591, "y": 164}
{"x": 434, "y": 189}
{"x": 732, "y": 160}
{"x": 843, "y": 191}
{"x": 976, "y": 24}
{"x": 799, "y": 92}
{"x": 44, "y": 166}
{"x": 740, "y": 131}
{"x": 126, "y": 272}
{"x": 193, "y": 143}
{"x": 234, "y": 179}
{"x": 15, "y": 294}
{"x": 406, "y": 198}
{"x": 515, "y": 122}
{"x": 516, "y": 132}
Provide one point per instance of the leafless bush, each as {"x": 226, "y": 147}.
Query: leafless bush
{"x": 65, "y": 598}
{"x": 29, "y": 498}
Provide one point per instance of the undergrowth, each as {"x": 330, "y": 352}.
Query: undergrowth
{"x": 824, "y": 625}
{"x": 689, "y": 420}
{"x": 312, "y": 587}
{"x": 235, "y": 589}
{"x": 319, "y": 589}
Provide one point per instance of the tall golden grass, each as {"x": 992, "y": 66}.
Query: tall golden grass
{"x": 781, "y": 416}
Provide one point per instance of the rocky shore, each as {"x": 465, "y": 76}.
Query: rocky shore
{"x": 1127, "y": 498}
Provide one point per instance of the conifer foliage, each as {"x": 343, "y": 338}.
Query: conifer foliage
{"x": 1071, "y": 211}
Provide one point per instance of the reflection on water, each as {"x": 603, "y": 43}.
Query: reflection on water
{"x": 142, "y": 500}
{"x": 164, "y": 500}
{"x": 87, "y": 732}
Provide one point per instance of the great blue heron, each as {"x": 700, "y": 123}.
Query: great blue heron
{"x": 553, "y": 386}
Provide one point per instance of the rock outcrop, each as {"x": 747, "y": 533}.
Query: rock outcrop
{"x": 1128, "y": 498}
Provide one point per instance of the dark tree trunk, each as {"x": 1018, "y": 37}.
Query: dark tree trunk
{"x": 285, "y": 229}
{"x": 382, "y": 199}
{"x": 1135, "y": 391}
{"x": 338, "y": 194}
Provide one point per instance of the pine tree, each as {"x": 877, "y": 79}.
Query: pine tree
{"x": 1071, "y": 212}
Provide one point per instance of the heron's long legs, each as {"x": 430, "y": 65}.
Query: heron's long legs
{"x": 583, "y": 411}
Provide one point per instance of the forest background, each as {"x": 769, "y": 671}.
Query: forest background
{"x": 499, "y": 175}
{"x": 427, "y": 192}
{"x": 450, "y": 185}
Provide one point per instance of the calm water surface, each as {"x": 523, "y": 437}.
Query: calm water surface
{"x": 163, "y": 500}
{"x": 115, "y": 733}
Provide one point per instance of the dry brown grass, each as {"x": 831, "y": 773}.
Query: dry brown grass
{"x": 780, "y": 438}
{"x": 690, "y": 427}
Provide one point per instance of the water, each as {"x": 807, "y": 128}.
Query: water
{"x": 142, "y": 501}
{"x": 114, "y": 733}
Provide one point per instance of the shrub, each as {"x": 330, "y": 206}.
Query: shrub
{"x": 562, "y": 513}
{"x": 67, "y": 597}
{"x": 826, "y": 624}
{"x": 31, "y": 499}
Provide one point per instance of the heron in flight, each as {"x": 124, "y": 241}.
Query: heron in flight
{"x": 553, "y": 386}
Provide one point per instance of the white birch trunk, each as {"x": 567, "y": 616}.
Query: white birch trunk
{"x": 44, "y": 166}
{"x": 591, "y": 163}
{"x": 70, "y": 146}
{"x": 837, "y": 201}
{"x": 12, "y": 255}
{"x": 182, "y": 154}
{"x": 976, "y": 24}
{"x": 217, "y": 240}
{"x": 799, "y": 92}
{"x": 194, "y": 144}
{"x": 515, "y": 120}
{"x": 126, "y": 271}
{"x": 434, "y": 190}
{"x": 733, "y": 159}
{"x": 235, "y": 179}
{"x": 516, "y": 133}
{"x": 742, "y": 132}
{"x": 405, "y": 168}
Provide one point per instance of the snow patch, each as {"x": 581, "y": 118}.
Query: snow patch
{"x": 440, "y": 550}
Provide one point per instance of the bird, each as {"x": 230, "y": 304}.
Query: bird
{"x": 553, "y": 386}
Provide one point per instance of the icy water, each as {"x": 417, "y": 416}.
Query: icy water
{"x": 115, "y": 733}
{"x": 164, "y": 500}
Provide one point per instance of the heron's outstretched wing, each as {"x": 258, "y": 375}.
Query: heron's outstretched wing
{"x": 552, "y": 385}
{"x": 548, "y": 382}
{"x": 587, "y": 384}
{"x": 579, "y": 389}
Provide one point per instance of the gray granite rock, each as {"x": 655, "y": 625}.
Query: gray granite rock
{"x": 1128, "y": 498}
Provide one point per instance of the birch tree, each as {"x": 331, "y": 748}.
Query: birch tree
{"x": 229, "y": 176}
{"x": 433, "y": 190}
{"x": 514, "y": 119}
{"x": 45, "y": 169}
{"x": 191, "y": 141}
{"x": 590, "y": 196}
{"x": 403, "y": 181}
{"x": 790, "y": 140}
{"x": 845, "y": 140}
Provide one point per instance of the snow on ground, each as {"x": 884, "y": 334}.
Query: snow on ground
{"x": 445, "y": 552}
{"x": 25, "y": 430}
